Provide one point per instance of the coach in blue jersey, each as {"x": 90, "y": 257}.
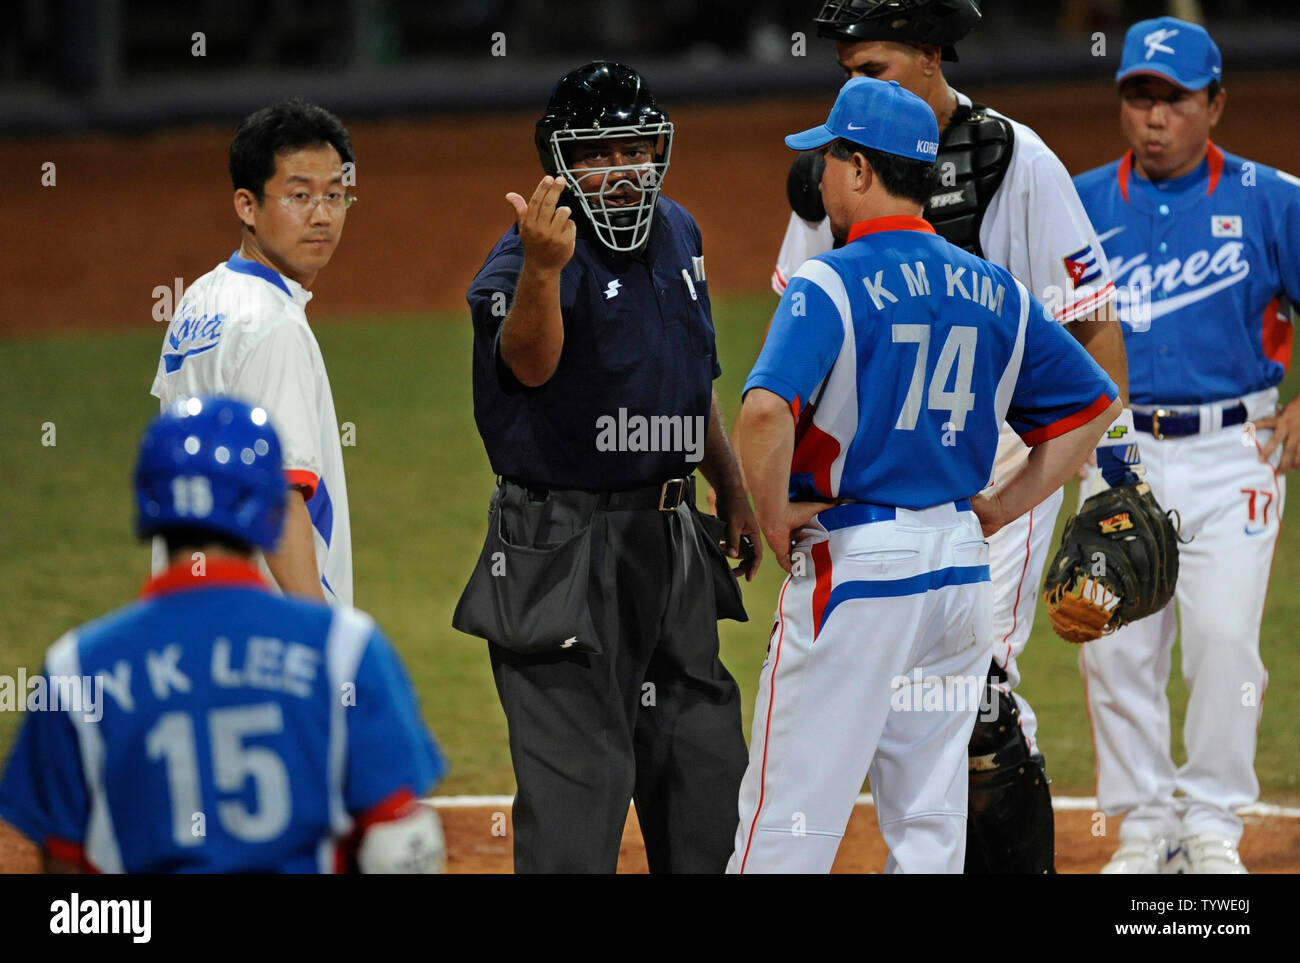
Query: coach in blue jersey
{"x": 600, "y": 585}
{"x": 868, "y": 431}
{"x": 1205, "y": 249}
{"x": 214, "y": 726}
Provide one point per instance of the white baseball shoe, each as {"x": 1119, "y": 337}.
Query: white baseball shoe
{"x": 1211, "y": 855}
{"x": 1148, "y": 855}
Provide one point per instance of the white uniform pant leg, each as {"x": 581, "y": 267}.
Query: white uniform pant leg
{"x": 825, "y": 704}
{"x": 1017, "y": 556}
{"x": 919, "y": 776}
{"x": 1126, "y": 676}
{"x": 1223, "y": 579}
{"x": 821, "y": 707}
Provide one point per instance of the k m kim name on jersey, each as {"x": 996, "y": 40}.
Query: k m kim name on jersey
{"x": 959, "y": 281}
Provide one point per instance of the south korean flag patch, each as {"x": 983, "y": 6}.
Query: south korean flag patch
{"x": 1226, "y": 225}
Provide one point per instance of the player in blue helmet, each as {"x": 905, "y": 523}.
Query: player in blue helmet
{"x": 232, "y": 486}
{"x": 209, "y": 726}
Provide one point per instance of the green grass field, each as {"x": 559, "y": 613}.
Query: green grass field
{"x": 419, "y": 483}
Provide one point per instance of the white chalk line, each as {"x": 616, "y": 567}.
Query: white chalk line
{"x": 1059, "y": 803}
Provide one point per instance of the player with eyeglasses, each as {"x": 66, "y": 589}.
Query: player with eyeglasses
{"x": 242, "y": 330}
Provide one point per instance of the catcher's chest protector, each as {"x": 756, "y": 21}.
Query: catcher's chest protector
{"x": 974, "y": 154}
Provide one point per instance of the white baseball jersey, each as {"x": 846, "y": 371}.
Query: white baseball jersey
{"x": 1035, "y": 227}
{"x": 241, "y": 330}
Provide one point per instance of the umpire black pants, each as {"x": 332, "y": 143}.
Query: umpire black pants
{"x": 654, "y": 717}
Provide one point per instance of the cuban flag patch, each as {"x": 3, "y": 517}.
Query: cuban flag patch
{"x": 1082, "y": 266}
{"x": 1226, "y": 225}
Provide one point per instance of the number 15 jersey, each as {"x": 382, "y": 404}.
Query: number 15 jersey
{"x": 215, "y": 727}
{"x": 900, "y": 355}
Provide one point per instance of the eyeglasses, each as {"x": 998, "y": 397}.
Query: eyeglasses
{"x": 1179, "y": 102}
{"x": 301, "y": 203}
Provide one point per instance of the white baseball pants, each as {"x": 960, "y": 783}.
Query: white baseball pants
{"x": 1231, "y": 506}
{"x": 874, "y": 668}
{"x": 1017, "y": 554}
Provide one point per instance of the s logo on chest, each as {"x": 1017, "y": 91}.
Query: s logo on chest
{"x": 611, "y": 289}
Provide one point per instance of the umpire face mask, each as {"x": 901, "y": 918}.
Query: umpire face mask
{"x": 616, "y": 175}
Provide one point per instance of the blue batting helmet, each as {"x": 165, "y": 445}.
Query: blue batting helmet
{"x": 211, "y": 463}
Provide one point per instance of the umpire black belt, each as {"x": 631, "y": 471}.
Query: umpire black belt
{"x": 1167, "y": 423}
{"x": 664, "y": 497}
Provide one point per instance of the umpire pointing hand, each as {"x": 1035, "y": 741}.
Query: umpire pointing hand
{"x": 599, "y": 585}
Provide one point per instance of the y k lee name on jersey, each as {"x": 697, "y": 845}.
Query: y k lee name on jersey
{"x": 241, "y": 732}
{"x": 900, "y": 355}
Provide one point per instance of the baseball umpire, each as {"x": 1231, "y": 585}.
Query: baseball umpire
{"x": 1002, "y": 195}
{"x": 213, "y": 726}
{"x": 868, "y": 430}
{"x": 599, "y": 585}
{"x": 1206, "y": 245}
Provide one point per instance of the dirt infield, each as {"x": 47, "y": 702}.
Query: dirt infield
{"x": 476, "y": 844}
{"x": 127, "y": 214}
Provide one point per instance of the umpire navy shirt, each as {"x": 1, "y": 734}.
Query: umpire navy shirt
{"x": 628, "y": 404}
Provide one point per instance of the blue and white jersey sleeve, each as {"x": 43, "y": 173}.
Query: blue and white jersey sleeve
{"x": 43, "y": 792}
{"x": 390, "y": 750}
{"x": 1058, "y": 386}
{"x": 806, "y": 337}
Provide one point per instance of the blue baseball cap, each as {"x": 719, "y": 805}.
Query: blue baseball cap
{"x": 883, "y": 116}
{"x": 1176, "y": 50}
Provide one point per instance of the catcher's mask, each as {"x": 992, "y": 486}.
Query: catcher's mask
{"x": 607, "y": 102}
{"x": 938, "y": 22}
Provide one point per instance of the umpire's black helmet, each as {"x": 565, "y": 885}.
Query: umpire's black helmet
{"x": 938, "y": 22}
{"x": 605, "y": 101}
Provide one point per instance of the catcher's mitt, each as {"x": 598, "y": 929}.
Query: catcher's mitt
{"x": 1118, "y": 562}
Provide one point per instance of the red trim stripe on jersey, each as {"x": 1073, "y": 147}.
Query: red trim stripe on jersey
{"x": 767, "y": 726}
{"x": 815, "y": 452}
{"x": 1087, "y": 305}
{"x": 66, "y": 851}
{"x": 1124, "y": 173}
{"x": 1068, "y": 423}
{"x": 302, "y": 479}
{"x": 778, "y": 280}
{"x": 396, "y": 805}
{"x": 1212, "y": 153}
{"x": 821, "y": 558}
{"x": 1216, "y": 166}
{"x": 215, "y": 572}
{"x": 1278, "y": 334}
{"x": 895, "y": 222}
